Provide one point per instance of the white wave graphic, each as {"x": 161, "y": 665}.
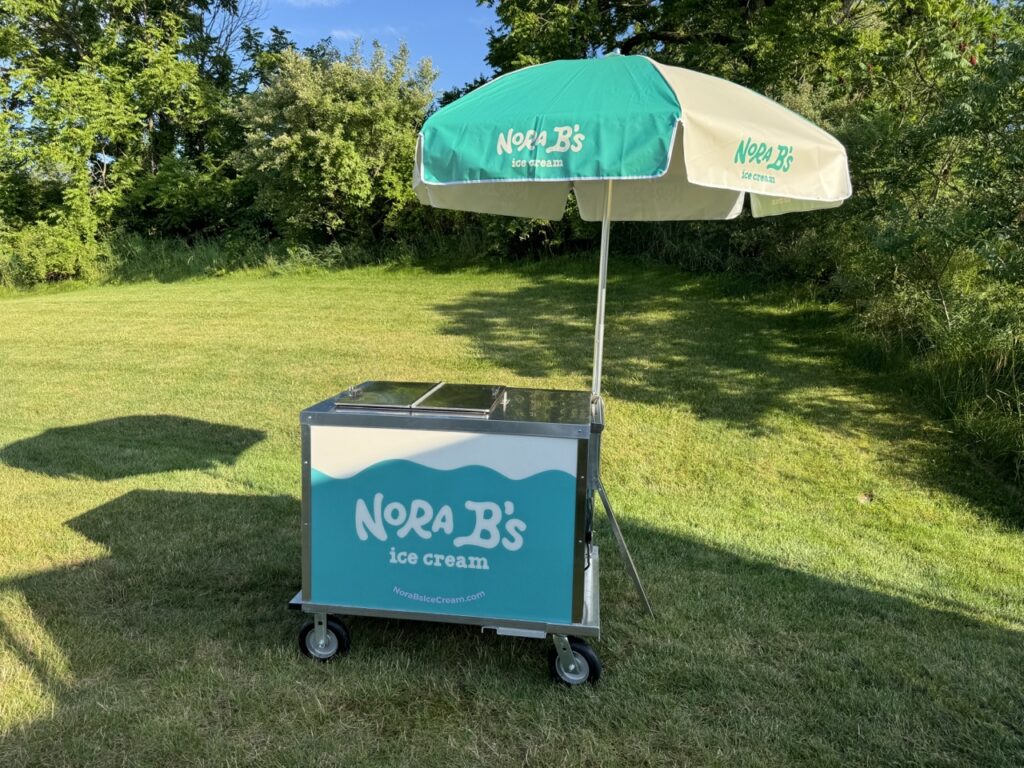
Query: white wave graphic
{"x": 342, "y": 452}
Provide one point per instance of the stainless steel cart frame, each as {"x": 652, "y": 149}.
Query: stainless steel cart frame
{"x": 576, "y": 416}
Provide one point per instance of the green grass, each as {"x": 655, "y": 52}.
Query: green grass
{"x": 149, "y": 480}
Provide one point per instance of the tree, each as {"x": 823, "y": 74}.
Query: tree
{"x": 329, "y": 143}
{"x": 96, "y": 92}
{"x": 928, "y": 97}
{"x": 755, "y": 42}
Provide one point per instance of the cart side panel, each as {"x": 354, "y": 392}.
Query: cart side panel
{"x": 306, "y": 501}
{"x": 453, "y": 523}
{"x": 583, "y": 529}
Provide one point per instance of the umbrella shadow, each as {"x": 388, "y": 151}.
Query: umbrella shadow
{"x": 668, "y": 339}
{"x": 729, "y": 352}
{"x": 192, "y": 581}
{"x": 183, "y": 570}
{"x": 129, "y": 446}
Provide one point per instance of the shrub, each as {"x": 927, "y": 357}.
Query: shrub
{"x": 978, "y": 365}
{"x": 184, "y": 198}
{"x": 47, "y": 253}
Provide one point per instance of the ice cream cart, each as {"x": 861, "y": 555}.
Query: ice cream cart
{"x": 475, "y": 504}
{"x": 454, "y": 503}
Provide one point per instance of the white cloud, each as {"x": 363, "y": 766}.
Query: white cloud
{"x": 373, "y": 33}
{"x": 313, "y": 3}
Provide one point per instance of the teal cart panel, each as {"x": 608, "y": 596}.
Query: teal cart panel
{"x": 452, "y": 523}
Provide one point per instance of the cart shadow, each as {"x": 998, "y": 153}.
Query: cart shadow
{"x": 727, "y": 354}
{"x": 129, "y": 446}
{"x": 194, "y": 580}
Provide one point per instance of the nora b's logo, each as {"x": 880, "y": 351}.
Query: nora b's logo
{"x": 567, "y": 138}
{"x": 773, "y": 157}
{"x": 493, "y": 524}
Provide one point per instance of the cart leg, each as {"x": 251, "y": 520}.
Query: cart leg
{"x": 623, "y": 549}
{"x": 320, "y": 629}
{"x": 565, "y": 654}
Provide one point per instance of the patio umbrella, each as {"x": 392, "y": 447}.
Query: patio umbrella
{"x": 634, "y": 140}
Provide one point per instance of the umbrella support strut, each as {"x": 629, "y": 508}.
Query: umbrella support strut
{"x": 623, "y": 549}
{"x": 597, "y": 406}
{"x": 595, "y": 486}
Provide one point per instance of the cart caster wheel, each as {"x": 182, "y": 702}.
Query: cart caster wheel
{"x": 588, "y": 666}
{"x": 336, "y": 641}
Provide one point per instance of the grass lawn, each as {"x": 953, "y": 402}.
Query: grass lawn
{"x": 836, "y": 584}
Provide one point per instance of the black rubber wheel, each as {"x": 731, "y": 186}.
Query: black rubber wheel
{"x": 588, "y": 665}
{"x": 336, "y": 641}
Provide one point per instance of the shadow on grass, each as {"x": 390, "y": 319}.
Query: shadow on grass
{"x": 840, "y": 674}
{"x": 185, "y": 570}
{"x": 130, "y": 446}
{"x": 746, "y": 659}
{"x": 668, "y": 339}
{"x": 729, "y": 353}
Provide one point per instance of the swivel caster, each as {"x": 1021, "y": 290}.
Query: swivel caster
{"x": 324, "y": 639}
{"x": 573, "y": 662}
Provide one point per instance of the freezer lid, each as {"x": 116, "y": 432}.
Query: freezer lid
{"x": 384, "y": 394}
{"x": 476, "y": 399}
{"x": 422, "y": 397}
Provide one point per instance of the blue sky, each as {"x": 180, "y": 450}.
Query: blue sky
{"x": 451, "y": 33}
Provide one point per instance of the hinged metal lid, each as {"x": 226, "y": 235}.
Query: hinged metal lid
{"x": 384, "y": 394}
{"x": 477, "y": 400}
{"x": 470, "y": 399}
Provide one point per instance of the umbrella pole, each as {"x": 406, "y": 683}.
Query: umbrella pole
{"x": 597, "y": 405}
{"x": 602, "y": 290}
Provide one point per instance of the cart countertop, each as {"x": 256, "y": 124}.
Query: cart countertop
{"x": 516, "y": 410}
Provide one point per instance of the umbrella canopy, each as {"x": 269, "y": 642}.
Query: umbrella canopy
{"x": 674, "y": 144}
{"x": 679, "y": 145}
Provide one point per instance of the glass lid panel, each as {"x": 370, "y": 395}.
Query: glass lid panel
{"x": 478, "y": 398}
{"x": 384, "y": 394}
